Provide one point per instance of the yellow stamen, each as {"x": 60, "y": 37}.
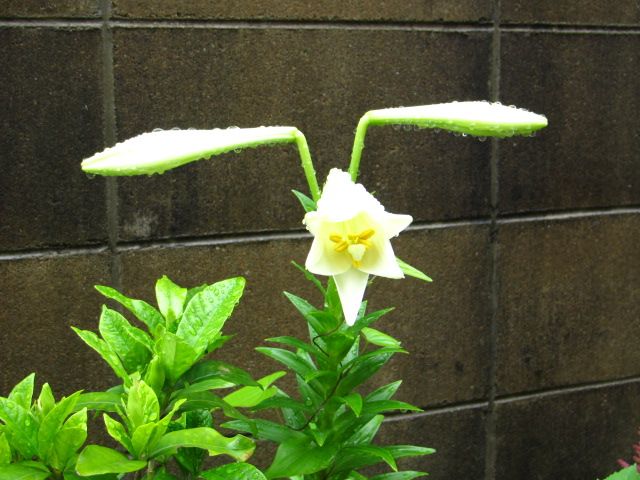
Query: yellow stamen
{"x": 335, "y": 238}
{"x": 351, "y": 240}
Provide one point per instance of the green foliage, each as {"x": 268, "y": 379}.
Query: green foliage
{"x": 329, "y": 430}
{"x": 39, "y": 439}
{"x": 628, "y": 473}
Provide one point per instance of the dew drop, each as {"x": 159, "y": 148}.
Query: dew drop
{"x": 157, "y": 130}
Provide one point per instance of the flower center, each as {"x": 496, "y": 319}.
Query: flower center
{"x": 355, "y": 245}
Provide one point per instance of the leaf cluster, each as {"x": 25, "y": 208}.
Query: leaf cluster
{"x": 329, "y": 427}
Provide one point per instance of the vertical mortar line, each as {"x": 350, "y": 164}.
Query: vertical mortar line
{"x": 490, "y": 427}
{"x": 109, "y": 132}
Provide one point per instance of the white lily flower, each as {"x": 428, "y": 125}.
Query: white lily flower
{"x": 352, "y": 233}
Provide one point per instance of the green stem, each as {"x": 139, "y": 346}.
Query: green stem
{"x": 358, "y": 146}
{"x": 307, "y": 165}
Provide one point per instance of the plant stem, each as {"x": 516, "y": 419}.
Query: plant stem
{"x": 358, "y": 146}
{"x": 307, "y": 165}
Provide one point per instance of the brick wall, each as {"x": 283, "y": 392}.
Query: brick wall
{"x": 524, "y": 351}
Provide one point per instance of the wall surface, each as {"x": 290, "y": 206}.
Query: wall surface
{"x": 524, "y": 351}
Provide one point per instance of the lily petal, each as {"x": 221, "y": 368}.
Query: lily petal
{"x": 351, "y": 286}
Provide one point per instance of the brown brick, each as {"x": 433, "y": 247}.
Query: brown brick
{"x": 572, "y": 12}
{"x": 43, "y": 298}
{"x": 51, "y": 120}
{"x": 323, "y": 10}
{"x": 50, "y": 9}
{"x": 587, "y": 157}
{"x": 320, "y": 80}
{"x": 569, "y": 299}
{"x": 570, "y": 435}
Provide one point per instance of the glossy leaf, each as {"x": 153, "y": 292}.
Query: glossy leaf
{"x": 300, "y": 458}
{"x": 248, "y": 397}
{"x": 385, "y": 392}
{"x": 171, "y": 299}
{"x": 406, "y": 475}
{"x": 628, "y": 473}
{"x": 307, "y": 203}
{"x": 68, "y": 440}
{"x": 215, "y": 369}
{"x": 234, "y": 471}
{"x": 98, "y": 460}
{"x": 381, "y": 406}
{"x": 144, "y": 312}
{"x": 289, "y": 359}
{"x": 365, "y": 434}
{"x": 46, "y": 401}
{"x": 265, "y": 430}
{"x": 379, "y": 338}
{"x": 19, "y": 471}
{"x": 207, "y": 312}
{"x": 238, "y": 447}
{"x": 176, "y": 355}
{"x": 354, "y": 401}
{"x": 5, "y": 450}
{"x": 22, "y": 393}
{"x": 142, "y": 405}
{"x": 118, "y": 432}
{"x": 352, "y": 458}
{"x": 105, "y": 351}
{"x": 101, "y": 401}
{"x": 21, "y": 427}
{"x": 131, "y": 344}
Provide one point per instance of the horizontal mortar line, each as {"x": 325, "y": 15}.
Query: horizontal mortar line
{"x": 568, "y": 214}
{"x": 251, "y": 237}
{"x": 571, "y": 29}
{"x": 302, "y": 25}
{"x": 52, "y": 253}
{"x": 50, "y": 23}
{"x": 458, "y": 407}
{"x": 566, "y": 390}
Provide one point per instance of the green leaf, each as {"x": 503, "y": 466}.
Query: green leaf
{"x": 307, "y": 310}
{"x": 406, "y": 475}
{"x": 352, "y": 458}
{"x": 381, "y": 406}
{"x": 368, "y": 319}
{"x": 412, "y": 272}
{"x": 140, "y": 439}
{"x": 46, "y": 400}
{"x": 238, "y": 447}
{"x": 68, "y": 440}
{"x": 144, "y": 312}
{"x": 142, "y": 405}
{"x": 288, "y": 358}
{"x": 158, "y": 151}
{"x": 5, "y": 450}
{"x": 118, "y": 432}
{"x": 234, "y": 471}
{"x": 265, "y": 430}
{"x": 311, "y": 277}
{"x": 628, "y": 473}
{"x": 207, "y": 312}
{"x": 208, "y": 401}
{"x": 22, "y": 393}
{"x": 307, "y": 203}
{"x": 296, "y": 343}
{"x": 300, "y": 457}
{"x": 21, "y": 427}
{"x": 215, "y": 369}
{"x": 379, "y": 338}
{"x": 385, "y": 392}
{"x": 365, "y": 434}
{"x": 171, "y": 299}
{"x": 154, "y": 375}
{"x": 190, "y": 459}
{"x": 401, "y": 451}
{"x": 19, "y": 471}
{"x": 282, "y": 402}
{"x": 97, "y": 460}
{"x": 482, "y": 119}
{"x": 131, "y": 344}
{"x": 101, "y": 401}
{"x": 175, "y": 354}
{"x": 354, "y": 401}
{"x": 105, "y": 351}
{"x": 362, "y": 371}
{"x": 248, "y": 397}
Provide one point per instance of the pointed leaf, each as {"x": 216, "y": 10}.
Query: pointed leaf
{"x": 365, "y": 434}
{"x": 385, "y": 392}
{"x": 142, "y": 405}
{"x": 300, "y": 458}
{"x": 5, "y": 450}
{"x": 105, "y": 351}
{"x": 406, "y": 475}
{"x": 176, "y": 355}
{"x": 101, "y": 401}
{"x": 381, "y": 406}
{"x": 207, "y": 312}
{"x": 118, "y": 432}
{"x": 46, "y": 400}
{"x": 131, "y": 344}
{"x": 68, "y": 440}
{"x": 21, "y": 427}
{"x": 171, "y": 299}
{"x": 412, "y": 271}
{"x": 288, "y": 358}
{"x": 248, "y": 397}
{"x": 238, "y": 447}
{"x": 352, "y": 458}
{"x": 354, "y": 401}
{"x": 22, "y": 393}
{"x": 144, "y": 312}
{"x": 379, "y": 338}
{"x": 97, "y": 460}
{"x": 307, "y": 203}
{"x": 265, "y": 430}
{"x": 216, "y": 369}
